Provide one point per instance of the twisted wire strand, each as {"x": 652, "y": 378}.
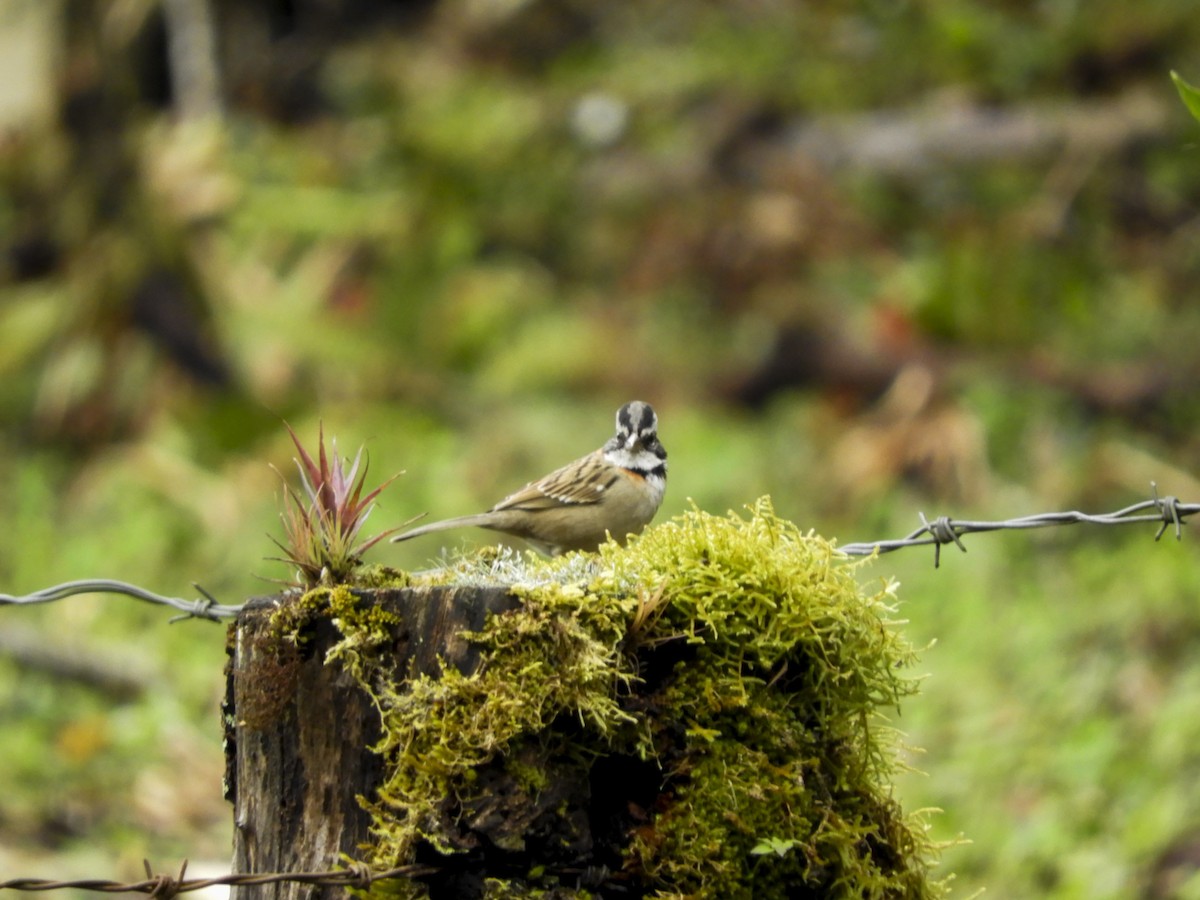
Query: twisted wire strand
{"x": 1168, "y": 511}
{"x": 206, "y": 607}
{"x": 166, "y": 886}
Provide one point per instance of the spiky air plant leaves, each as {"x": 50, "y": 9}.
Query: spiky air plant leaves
{"x": 322, "y": 523}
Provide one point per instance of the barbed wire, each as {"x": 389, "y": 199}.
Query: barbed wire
{"x": 206, "y": 607}
{"x": 163, "y": 887}
{"x": 1168, "y": 512}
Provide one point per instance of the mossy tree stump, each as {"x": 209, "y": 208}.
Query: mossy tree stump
{"x": 697, "y": 715}
{"x": 298, "y": 732}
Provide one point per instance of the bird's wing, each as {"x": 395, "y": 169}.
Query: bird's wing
{"x": 581, "y": 482}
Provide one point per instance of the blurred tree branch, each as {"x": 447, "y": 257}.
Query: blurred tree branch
{"x": 912, "y": 142}
{"x": 117, "y": 676}
{"x": 191, "y": 46}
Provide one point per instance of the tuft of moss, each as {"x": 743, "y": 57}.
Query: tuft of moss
{"x": 783, "y": 668}
{"x": 378, "y": 576}
{"x": 713, "y": 697}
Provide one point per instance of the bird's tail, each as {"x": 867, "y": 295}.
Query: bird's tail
{"x": 479, "y": 520}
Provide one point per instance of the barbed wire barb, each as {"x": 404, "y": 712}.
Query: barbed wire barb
{"x": 166, "y": 887}
{"x": 1169, "y": 507}
{"x": 943, "y": 532}
{"x": 201, "y": 609}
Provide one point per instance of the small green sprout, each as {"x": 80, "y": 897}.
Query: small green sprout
{"x": 778, "y": 846}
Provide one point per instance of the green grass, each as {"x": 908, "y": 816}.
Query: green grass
{"x": 1059, "y": 710}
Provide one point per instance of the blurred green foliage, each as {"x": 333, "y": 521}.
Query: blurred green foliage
{"x": 421, "y": 234}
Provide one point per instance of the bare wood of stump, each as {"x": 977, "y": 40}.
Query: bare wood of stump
{"x": 298, "y": 732}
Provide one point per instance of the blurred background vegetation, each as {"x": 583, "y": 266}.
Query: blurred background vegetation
{"x": 870, "y": 257}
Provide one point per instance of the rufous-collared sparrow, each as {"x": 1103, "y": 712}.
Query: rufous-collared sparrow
{"x": 614, "y": 491}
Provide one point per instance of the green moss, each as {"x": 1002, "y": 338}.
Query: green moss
{"x": 778, "y": 695}
{"x": 507, "y": 889}
{"x": 378, "y": 576}
{"x": 731, "y": 670}
{"x": 559, "y": 655}
{"x": 358, "y": 622}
